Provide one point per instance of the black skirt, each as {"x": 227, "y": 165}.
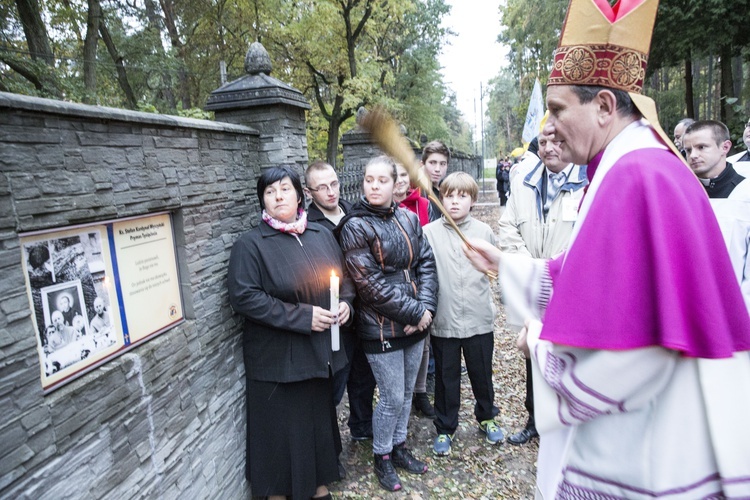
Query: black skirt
{"x": 293, "y": 438}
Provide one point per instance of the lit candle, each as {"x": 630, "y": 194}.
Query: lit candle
{"x": 335, "y": 311}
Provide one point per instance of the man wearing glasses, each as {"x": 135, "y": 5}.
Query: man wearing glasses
{"x": 327, "y": 209}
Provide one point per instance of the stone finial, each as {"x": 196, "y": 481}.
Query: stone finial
{"x": 257, "y": 60}
{"x": 361, "y": 113}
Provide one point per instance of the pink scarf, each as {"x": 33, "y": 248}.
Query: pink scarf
{"x": 293, "y": 228}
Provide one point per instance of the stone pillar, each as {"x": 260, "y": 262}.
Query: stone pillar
{"x": 268, "y": 105}
{"x": 358, "y": 150}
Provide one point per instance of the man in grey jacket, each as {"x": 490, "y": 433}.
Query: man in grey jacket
{"x": 538, "y": 222}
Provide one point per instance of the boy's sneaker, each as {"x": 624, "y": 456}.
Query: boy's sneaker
{"x": 492, "y": 432}
{"x": 442, "y": 445}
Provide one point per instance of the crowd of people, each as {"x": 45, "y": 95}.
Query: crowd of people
{"x": 623, "y": 259}
{"x": 392, "y": 279}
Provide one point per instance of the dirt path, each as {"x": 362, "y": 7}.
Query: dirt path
{"x": 475, "y": 468}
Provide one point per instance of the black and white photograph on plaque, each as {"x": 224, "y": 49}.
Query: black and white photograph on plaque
{"x": 70, "y": 298}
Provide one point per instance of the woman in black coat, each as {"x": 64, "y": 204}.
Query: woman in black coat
{"x": 279, "y": 280}
{"x": 392, "y": 265}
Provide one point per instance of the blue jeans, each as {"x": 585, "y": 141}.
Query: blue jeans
{"x": 395, "y": 373}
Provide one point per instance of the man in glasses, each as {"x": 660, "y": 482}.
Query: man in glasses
{"x": 327, "y": 209}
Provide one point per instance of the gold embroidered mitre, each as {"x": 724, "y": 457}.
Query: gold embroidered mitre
{"x": 605, "y": 45}
{"x": 608, "y": 46}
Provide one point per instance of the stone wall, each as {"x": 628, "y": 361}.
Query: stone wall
{"x": 166, "y": 419}
{"x": 359, "y": 149}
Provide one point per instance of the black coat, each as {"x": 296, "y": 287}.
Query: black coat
{"x": 314, "y": 214}
{"x": 392, "y": 265}
{"x": 274, "y": 281}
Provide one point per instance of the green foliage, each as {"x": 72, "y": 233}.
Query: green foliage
{"x": 700, "y": 32}
{"x": 341, "y": 53}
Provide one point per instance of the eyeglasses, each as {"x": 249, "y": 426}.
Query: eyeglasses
{"x": 325, "y": 187}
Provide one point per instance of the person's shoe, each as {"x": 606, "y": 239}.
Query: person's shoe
{"x": 403, "y": 459}
{"x": 364, "y": 437}
{"x": 422, "y": 404}
{"x": 493, "y": 433}
{"x": 523, "y": 436}
{"x": 385, "y": 472}
{"x": 442, "y": 445}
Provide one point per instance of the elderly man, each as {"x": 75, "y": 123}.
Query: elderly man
{"x": 707, "y": 143}
{"x": 679, "y": 131}
{"x": 641, "y": 355}
{"x": 538, "y": 222}
{"x": 741, "y": 160}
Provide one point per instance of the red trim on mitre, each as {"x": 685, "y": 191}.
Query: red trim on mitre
{"x": 605, "y": 65}
{"x": 619, "y": 10}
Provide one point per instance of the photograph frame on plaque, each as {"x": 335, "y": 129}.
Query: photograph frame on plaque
{"x": 83, "y": 310}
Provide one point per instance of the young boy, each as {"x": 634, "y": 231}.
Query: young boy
{"x": 464, "y": 318}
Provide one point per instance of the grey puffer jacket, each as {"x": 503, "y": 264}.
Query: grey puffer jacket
{"x": 394, "y": 271}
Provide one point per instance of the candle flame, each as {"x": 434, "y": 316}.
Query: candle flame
{"x": 333, "y": 273}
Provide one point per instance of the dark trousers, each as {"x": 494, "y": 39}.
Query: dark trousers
{"x": 348, "y": 341}
{"x": 477, "y": 352}
{"x": 361, "y": 388}
{"x": 503, "y": 197}
{"x": 529, "y": 403}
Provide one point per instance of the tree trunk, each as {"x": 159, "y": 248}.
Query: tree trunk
{"x": 122, "y": 76}
{"x": 689, "y": 87}
{"x": 89, "y": 51}
{"x": 36, "y": 34}
{"x": 727, "y": 85}
{"x": 737, "y": 76}
{"x": 154, "y": 26}
{"x": 697, "y": 96}
{"x": 710, "y": 86}
{"x": 168, "y": 8}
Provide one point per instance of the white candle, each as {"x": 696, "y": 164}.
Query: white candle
{"x": 335, "y": 311}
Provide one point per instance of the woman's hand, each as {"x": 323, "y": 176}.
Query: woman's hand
{"x": 322, "y": 319}
{"x": 421, "y": 326}
{"x": 344, "y": 313}
{"x": 484, "y": 256}
{"x": 425, "y": 321}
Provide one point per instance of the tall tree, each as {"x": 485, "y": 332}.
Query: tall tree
{"x": 30, "y": 15}
{"x": 89, "y": 50}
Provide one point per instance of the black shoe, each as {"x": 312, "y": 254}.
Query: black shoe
{"x": 422, "y": 404}
{"x": 367, "y": 436}
{"x": 403, "y": 459}
{"x": 342, "y": 470}
{"x": 523, "y": 436}
{"x": 387, "y": 476}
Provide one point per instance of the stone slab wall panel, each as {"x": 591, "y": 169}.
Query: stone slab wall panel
{"x": 166, "y": 419}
